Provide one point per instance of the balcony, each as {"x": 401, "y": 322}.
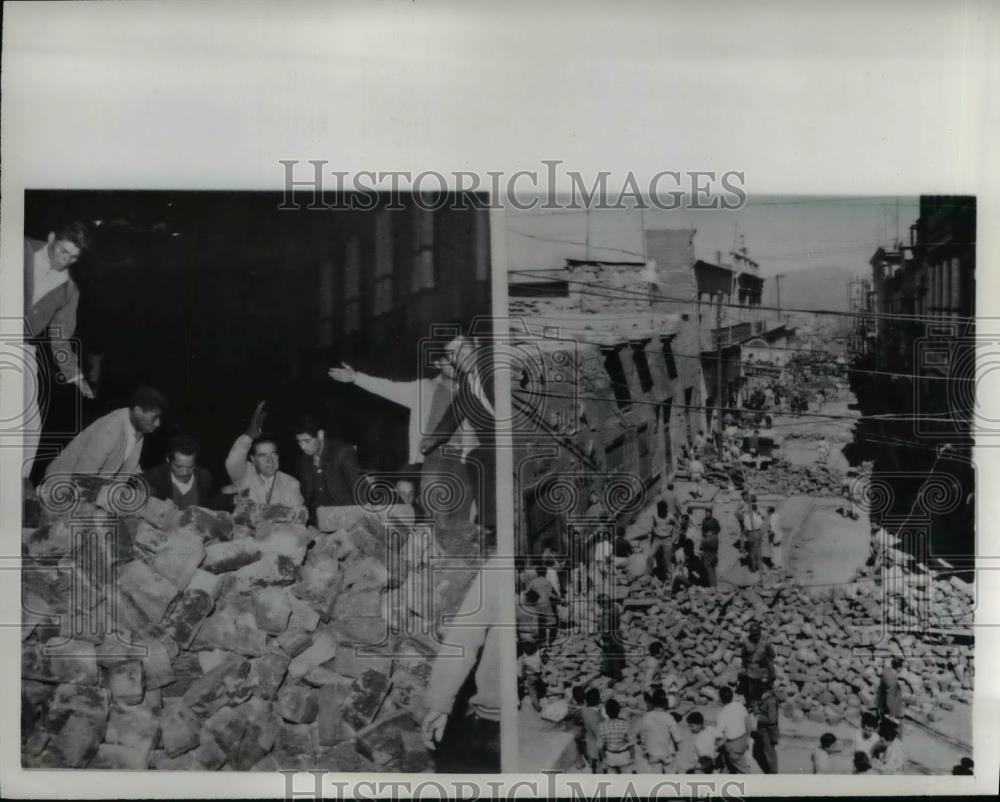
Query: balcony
{"x": 731, "y": 335}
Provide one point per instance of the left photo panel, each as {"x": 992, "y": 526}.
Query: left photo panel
{"x": 259, "y": 484}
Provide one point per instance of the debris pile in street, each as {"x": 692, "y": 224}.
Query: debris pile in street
{"x": 826, "y": 669}
{"x": 209, "y": 640}
{"x": 783, "y": 478}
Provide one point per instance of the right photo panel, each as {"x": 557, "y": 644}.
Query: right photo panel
{"x": 744, "y": 494}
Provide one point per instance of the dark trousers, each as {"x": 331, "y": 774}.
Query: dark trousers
{"x": 756, "y": 540}
{"x": 612, "y": 657}
{"x": 470, "y": 746}
{"x": 763, "y": 750}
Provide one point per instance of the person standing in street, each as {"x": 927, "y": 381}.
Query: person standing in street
{"x": 777, "y": 540}
{"x": 612, "y": 645}
{"x": 753, "y": 524}
{"x": 890, "y": 696}
{"x": 732, "y": 723}
{"x": 758, "y": 662}
{"x": 766, "y": 732}
{"x": 658, "y": 738}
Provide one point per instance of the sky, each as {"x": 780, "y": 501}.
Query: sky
{"x": 784, "y": 234}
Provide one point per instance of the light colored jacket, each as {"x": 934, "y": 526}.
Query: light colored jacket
{"x": 54, "y": 314}
{"x": 99, "y": 450}
{"x": 422, "y": 398}
{"x": 471, "y": 642}
{"x": 244, "y": 475}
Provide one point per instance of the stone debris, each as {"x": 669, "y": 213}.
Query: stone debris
{"x": 830, "y": 645}
{"x": 218, "y": 641}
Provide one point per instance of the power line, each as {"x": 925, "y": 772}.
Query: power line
{"x": 744, "y": 363}
{"x": 625, "y": 295}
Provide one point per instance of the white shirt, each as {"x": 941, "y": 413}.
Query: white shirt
{"x": 603, "y": 551}
{"x": 132, "y": 439}
{"x": 704, "y": 741}
{"x": 45, "y": 278}
{"x": 183, "y": 487}
{"x": 861, "y": 744}
{"x": 777, "y": 534}
{"x": 732, "y": 721}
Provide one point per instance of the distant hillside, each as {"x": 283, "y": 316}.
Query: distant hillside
{"x": 818, "y": 288}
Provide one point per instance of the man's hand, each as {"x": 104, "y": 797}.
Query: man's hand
{"x": 427, "y": 445}
{"x": 85, "y": 389}
{"x": 257, "y": 422}
{"x": 432, "y": 728}
{"x": 345, "y": 373}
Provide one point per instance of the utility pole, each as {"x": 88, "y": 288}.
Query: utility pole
{"x": 777, "y": 289}
{"x": 718, "y": 374}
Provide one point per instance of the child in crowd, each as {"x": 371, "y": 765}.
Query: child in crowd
{"x": 862, "y": 763}
{"x": 707, "y": 740}
{"x": 530, "y": 671}
{"x": 651, "y": 668}
{"x": 865, "y": 738}
{"x": 822, "y": 763}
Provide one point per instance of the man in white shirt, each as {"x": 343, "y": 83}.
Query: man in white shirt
{"x": 259, "y": 478}
{"x": 732, "y": 723}
{"x": 707, "y": 739}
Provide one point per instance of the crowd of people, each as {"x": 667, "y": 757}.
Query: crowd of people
{"x": 451, "y": 420}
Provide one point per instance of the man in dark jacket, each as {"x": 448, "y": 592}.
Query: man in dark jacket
{"x": 328, "y": 469}
{"x": 180, "y": 479}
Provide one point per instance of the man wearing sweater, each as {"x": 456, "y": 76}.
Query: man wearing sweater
{"x": 111, "y": 446}
{"x": 180, "y": 478}
{"x": 471, "y": 644}
{"x": 51, "y": 298}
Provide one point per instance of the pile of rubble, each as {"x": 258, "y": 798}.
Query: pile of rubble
{"x": 827, "y": 645}
{"x": 783, "y": 478}
{"x": 208, "y": 640}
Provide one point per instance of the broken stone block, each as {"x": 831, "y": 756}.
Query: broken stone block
{"x": 267, "y": 673}
{"x": 208, "y": 693}
{"x": 35, "y": 665}
{"x": 272, "y": 609}
{"x": 209, "y": 755}
{"x": 76, "y": 741}
{"x": 82, "y": 700}
{"x": 408, "y": 691}
{"x": 213, "y": 659}
{"x": 231, "y": 631}
{"x": 125, "y": 682}
{"x": 72, "y": 661}
{"x": 321, "y": 676}
{"x": 293, "y": 747}
{"x": 149, "y": 539}
{"x": 230, "y": 556}
{"x": 364, "y": 699}
{"x": 180, "y": 728}
{"x": 282, "y": 514}
{"x": 158, "y": 512}
{"x": 333, "y": 519}
{"x": 210, "y": 525}
{"x": 118, "y": 757}
{"x": 296, "y": 704}
{"x": 156, "y": 665}
{"x": 136, "y": 727}
{"x": 117, "y": 647}
{"x": 352, "y": 660}
{"x": 207, "y": 582}
{"x": 179, "y": 558}
{"x": 186, "y": 670}
{"x": 237, "y": 737}
{"x": 323, "y": 648}
{"x": 52, "y": 540}
{"x": 288, "y": 540}
{"x": 330, "y": 729}
{"x": 187, "y": 616}
{"x": 304, "y": 617}
{"x": 270, "y": 569}
{"x": 382, "y": 743}
{"x": 293, "y": 642}
{"x": 150, "y": 592}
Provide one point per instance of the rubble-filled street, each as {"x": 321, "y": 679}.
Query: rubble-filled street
{"x": 192, "y": 639}
{"x": 832, "y": 626}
